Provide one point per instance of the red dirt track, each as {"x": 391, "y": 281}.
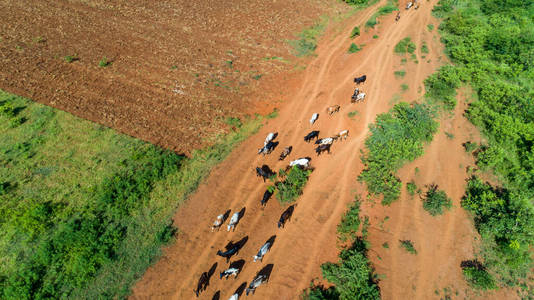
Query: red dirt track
{"x": 309, "y": 239}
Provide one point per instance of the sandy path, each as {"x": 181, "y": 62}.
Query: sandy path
{"x": 309, "y": 239}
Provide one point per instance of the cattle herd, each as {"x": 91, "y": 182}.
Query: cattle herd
{"x": 265, "y": 172}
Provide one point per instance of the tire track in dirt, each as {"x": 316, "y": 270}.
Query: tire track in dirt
{"x": 309, "y": 239}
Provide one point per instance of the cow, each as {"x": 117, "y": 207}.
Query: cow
{"x": 285, "y": 153}
{"x": 256, "y": 283}
{"x": 268, "y": 148}
{"x": 230, "y": 252}
{"x": 265, "y": 172}
{"x": 332, "y": 109}
{"x": 358, "y": 98}
{"x": 301, "y": 162}
{"x": 314, "y": 118}
{"x": 218, "y": 222}
{"x": 355, "y": 95}
{"x": 408, "y": 5}
{"x": 360, "y": 79}
{"x": 263, "y": 250}
{"x": 324, "y": 141}
{"x": 322, "y": 148}
{"x": 271, "y": 136}
{"x": 234, "y": 297}
{"x": 233, "y": 221}
{"x": 286, "y": 216}
{"x": 341, "y": 135}
{"x": 266, "y": 196}
{"x": 397, "y": 17}
{"x": 202, "y": 284}
{"x": 312, "y": 135}
{"x": 229, "y": 272}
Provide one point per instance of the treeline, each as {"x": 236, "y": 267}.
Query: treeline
{"x": 353, "y": 276}
{"x": 492, "y": 46}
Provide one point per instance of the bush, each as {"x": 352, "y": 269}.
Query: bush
{"x": 384, "y": 10}
{"x": 291, "y": 188}
{"x": 424, "y": 48}
{"x": 104, "y": 62}
{"x": 411, "y": 188}
{"x": 408, "y": 246}
{"x": 405, "y": 46}
{"x": 354, "y": 48}
{"x": 355, "y": 32}
{"x": 70, "y": 58}
{"x": 434, "y": 201}
{"x": 400, "y": 73}
{"x": 350, "y": 222}
{"x": 477, "y": 276}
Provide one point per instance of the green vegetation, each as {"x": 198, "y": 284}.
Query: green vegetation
{"x": 352, "y": 114}
{"x": 396, "y": 137}
{"x": 404, "y": 87}
{"x": 405, "y": 46}
{"x": 477, "y": 276}
{"x": 491, "y": 43}
{"x": 83, "y": 210}
{"x": 430, "y": 27}
{"x": 307, "y": 39}
{"x": 424, "y": 48}
{"x": 411, "y": 188}
{"x": 70, "y": 58}
{"x": 449, "y": 135}
{"x": 400, "y": 73}
{"x": 104, "y": 62}
{"x": 353, "y": 275}
{"x": 354, "y": 48}
{"x": 382, "y": 11}
{"x": 355, "y": 32}
{"x": 434, "y": 200}
{"x": 385, "y": 245}
{"x": 291, "y": 187}
{"x": 408, "y": 246}
{"x": 470, "y": 146}
{"x": 375, "y": 36}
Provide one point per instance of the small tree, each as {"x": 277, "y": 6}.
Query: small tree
{"x": 435, "y": 200}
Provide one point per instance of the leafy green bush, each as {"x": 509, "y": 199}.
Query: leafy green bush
{"x": 307, "y": 39}
{"x": 104, "y": 62}
{"x": 350, "y": 222}
{"x": 291, "y": 187}
{"x": 477, "y": 276}
{"x": 411, "y": 188}
{"x": 430, "y": 27}
{"x": 405, "y": 46}
{"x": 470, "y": 146}
{"x": 355, "y": 32}
{"x": 354, "y": 48}
{"x": 434, "y": 201}
{"x": 404, "y": 87}
{"x": 424, "y": 48}
{"x": 396, "y": 137}
{"x": 408, "y": 246}
{"x": 382, "y": 11}
{"x": 441, "y": 86}
{"x": 70, "y": 58}
{"x": 400, "y": 73}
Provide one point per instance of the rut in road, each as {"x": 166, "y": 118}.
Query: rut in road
{"x": 309, "y": 239}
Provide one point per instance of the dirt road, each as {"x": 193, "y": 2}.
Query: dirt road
{"x": 309, "y": 239}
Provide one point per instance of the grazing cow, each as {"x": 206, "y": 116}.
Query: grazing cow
{"x": 271, "y": 136}
{"x": 323, "y": 148}
{"x": 202, "y": 284}
{"x": 314, "y": 118}
{"x": 266, "y": 196}
{"x": 234, "y": 297}
{"x": 397, "y": 17}
{"x": 360, "y": 79}
{"x": 268, "y": 148}
{"x": 229, "y": 272}
{"x": 408, "y": 5}
{"x": 233, "y": 221}
{"x": 324, "y": 141}
{"x": 355, "y": 95}
{"x": 285, "y": 153}
{"x": 256, "y": 283}
{"x": 357, "y": 98}
{"x": 218, "y": 222}
{"x": 343, "y": 135}
{"x": 303, "y": 162}
{"x": 263, "y": 250}
{"x": 332, "y": 109}
{"x": 312, "y": 135}
{"x": 228, "y": 253}
{"x": 286, "y": 216}
{"x": 264, "y": 172}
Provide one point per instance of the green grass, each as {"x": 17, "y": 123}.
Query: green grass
{"x": 385, "y": 245}
{"x": 408, "y": 246}
{"x": 405, "y": 46}
{"x": 435, "y": 201}
{"x": 104, "y": 62}
{"x": 70, "y": 58}
{"x": 404, "y": 87}
{"x": 350, "y": 222}
{"x": 400, "y": 74}
{"x": 355, "y": 32}
{"x": 85, "y": 210}
{"x": 375, "y": 36}
{"x": 290, "y": 188}
{"x": 430, "y": 27}
{"x": 306, "y": 43}
{"x": 477, "y": 276}
{"x": 352, "y": 114}
{"x": 382, "y": 11}
{"x": 424, "y": 48}
{"x": 354, "y": 48}
{"x": 411, "y": 188}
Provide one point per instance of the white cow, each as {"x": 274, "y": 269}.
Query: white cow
{"x": 314, "y": 118}
{"x": 233, "y": 221}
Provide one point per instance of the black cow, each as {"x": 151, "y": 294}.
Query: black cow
{"x": 202, "y": 283}
{"x": 322, "y": 148}
{"x": 229, "y": 253}
{"x": 286, "y": 216}
{"x": 264, "y": 172}
{"x": 360, "y": 79}
{"x": 256, "y": 283}
{"x": 312, "y": 135}
{"x": 266, "y": 196}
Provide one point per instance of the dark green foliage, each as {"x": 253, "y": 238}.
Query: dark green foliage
{"x": 470, "y": 146}
{"x": 104, "y": 62}
{"x": 408, "y": 246}
{"x": 396, "y": 137}
{"x": 354, "y": 48}
{"x": 350, "y": 223}
{"x": 491, "y": 43}
{"x": 382, "y": 11}
{"x": 424, "y": 48}
{"x": 434, "y": 201}
{"x": 405, "y": 46}
{"x": 70, "y": 58}
{"x": 355, "y": 32}
{"x": 357, "y": 2}
{"x": 291, "y": 187}
{"x": 400, "y": 73}
{"x": 477, "y": 275}
{"x": 411, "y": 188}
{"x": 321, "y": 293}
{"x": 441, "y": 86}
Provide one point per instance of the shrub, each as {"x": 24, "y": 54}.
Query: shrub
{"x": 355, "y": 32}
{"x": 354, "y": 48}
{"x": 352, "y": 114}
{"x": 430, "y": 27}
{"x": 411, "y": 188}
{"x": 405, "y": 46}
{"x": 404, "y": 87}
{"x": 434, "y": 201}
{"x": 477, "y": 276}
{"x": 400, "y": 73}
{"x": 350, "y": 222}
{"x": 384, "y": 10}
{"x": 375, "y": 36}
{"x": 291, "y": 188}
{"x": 70, "y": 58}
{"x": 307, "y": 42}
{"x": 470, "y": 146}
{"x": 408, "y": 246}
{"x": 424, "y": 48}
{"x": 104, "y": 62}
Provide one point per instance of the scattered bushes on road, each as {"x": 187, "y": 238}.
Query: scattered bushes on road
{"x": 408, "y": 246}
{"x": 436, "y": 201}
{"x": 405, "y": 46}
{"x": 355, "y": 32}
{"x": 291, "y": 187}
